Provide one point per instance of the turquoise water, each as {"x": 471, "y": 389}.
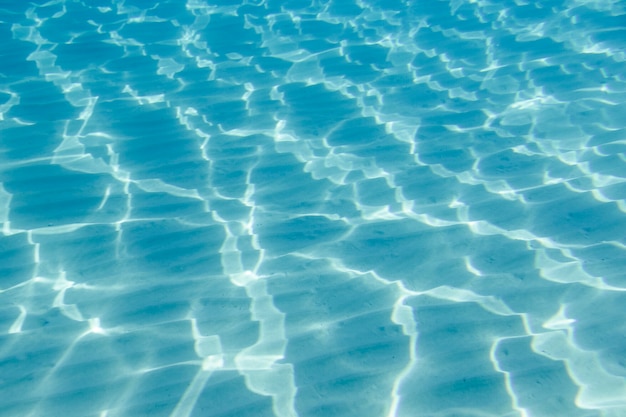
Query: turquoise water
{"x": 313, "y": 208}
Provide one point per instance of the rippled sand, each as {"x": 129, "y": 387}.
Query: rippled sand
{"x": 313, "y": 208}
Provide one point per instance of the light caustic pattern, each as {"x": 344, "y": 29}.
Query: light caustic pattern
{"x": 313, "y": 208}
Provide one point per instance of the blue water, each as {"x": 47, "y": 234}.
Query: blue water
{"x": 313, "y": 208}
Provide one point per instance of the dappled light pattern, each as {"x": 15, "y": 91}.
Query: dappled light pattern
{"x": 313, "y": 208}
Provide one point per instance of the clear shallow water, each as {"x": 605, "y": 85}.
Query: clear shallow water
{"x": 313, "y": 208}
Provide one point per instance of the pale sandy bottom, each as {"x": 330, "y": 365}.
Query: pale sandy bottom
{"x": 312, "y": 208}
